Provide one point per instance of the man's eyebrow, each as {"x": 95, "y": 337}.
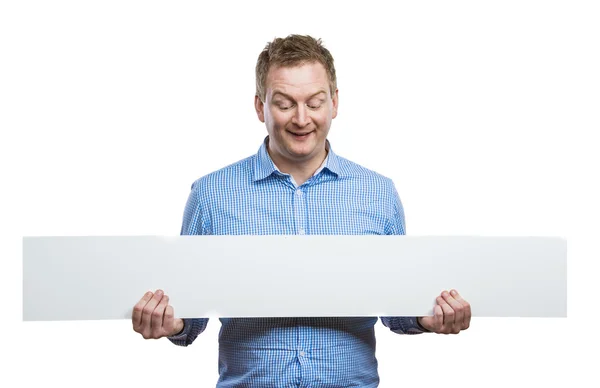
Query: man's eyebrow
{"x": 278, "y": 92}
{"x": 322, "y": 91}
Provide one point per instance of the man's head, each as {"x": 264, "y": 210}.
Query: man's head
{"x": 295, "y": 50}
{"x": 296, "y": 97}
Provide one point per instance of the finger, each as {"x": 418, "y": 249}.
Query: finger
{"x": 157, "y": 317}
{"x": 466, "y": 308}
{"x": 169, "y": 319}
{"x": 136, "y": 316}
{"x": 438, "y": 318}
{"x": 448, "y": 315}
{"x": 458, "y": 311}
{"x": 147, "y": 312}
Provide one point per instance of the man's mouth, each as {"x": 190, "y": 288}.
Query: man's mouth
{"x": 300, "y": 135}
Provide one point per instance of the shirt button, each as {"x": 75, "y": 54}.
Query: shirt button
{"x": 301, "y": 231}
{"x": 302, "y": 354}
{"x": 299, "y": 193}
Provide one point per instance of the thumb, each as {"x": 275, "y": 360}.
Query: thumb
{"x": 427, "y": 322}
{"x": 435, "y": 322}
{"x": 171, "y": 325}
{"x": 177, "y": 326}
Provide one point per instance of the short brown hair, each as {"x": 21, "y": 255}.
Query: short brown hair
{"x": 294, "y": 50}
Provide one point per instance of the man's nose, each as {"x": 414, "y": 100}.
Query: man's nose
{"x": 301, "y": 117}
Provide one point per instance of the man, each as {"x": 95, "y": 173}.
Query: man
{"x": 295, "y": 184}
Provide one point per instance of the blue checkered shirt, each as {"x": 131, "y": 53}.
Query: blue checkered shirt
{"x": 253, "y": 197}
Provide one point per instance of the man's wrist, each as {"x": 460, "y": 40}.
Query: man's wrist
{"x": 181, "y": 330}
{"x": 421, "y": 327}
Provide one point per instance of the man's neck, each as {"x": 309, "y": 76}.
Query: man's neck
{"x": 300, "y": 171}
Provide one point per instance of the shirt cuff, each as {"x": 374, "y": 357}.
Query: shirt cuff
{"x": 403, "y": 325}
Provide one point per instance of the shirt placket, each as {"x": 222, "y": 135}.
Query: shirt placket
{"x": 300, "y": 210}
{"x": 304, "y": 331}
{"x": 303, "y": 352}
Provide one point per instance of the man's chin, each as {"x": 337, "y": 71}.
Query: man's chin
{"x": 303, "y": 154}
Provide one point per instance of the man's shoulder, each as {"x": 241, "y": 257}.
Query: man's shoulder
{"x": 233, "y": 174}
{"x": 362, "y": 173}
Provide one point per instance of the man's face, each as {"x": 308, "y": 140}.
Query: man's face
{"x": 297, "y": 111}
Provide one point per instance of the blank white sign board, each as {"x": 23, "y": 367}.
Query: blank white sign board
{"x": 85, "y": 278}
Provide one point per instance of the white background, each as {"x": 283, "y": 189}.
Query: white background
{"x": 483, "y": 113}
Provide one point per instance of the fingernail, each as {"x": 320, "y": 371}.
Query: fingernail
{"x": 159, "y": 292}
{"x": 453, "y": 292}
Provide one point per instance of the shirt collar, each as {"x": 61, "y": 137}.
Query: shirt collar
{"x": 264, "y": 166}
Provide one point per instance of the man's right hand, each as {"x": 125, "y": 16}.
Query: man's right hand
{"x": 154, "y": 318}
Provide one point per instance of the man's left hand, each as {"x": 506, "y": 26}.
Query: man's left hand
{"x": 451, "y": 314}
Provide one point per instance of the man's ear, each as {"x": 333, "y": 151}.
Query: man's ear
{"x": 334, "y": 99}
{"x": 260, "y": 108}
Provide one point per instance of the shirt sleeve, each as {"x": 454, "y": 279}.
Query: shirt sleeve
{"x": 396, "y": 226}
{"x": 193, "y": 224}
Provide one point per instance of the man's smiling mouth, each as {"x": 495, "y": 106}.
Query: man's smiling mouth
{"x": 300, "y": 134}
